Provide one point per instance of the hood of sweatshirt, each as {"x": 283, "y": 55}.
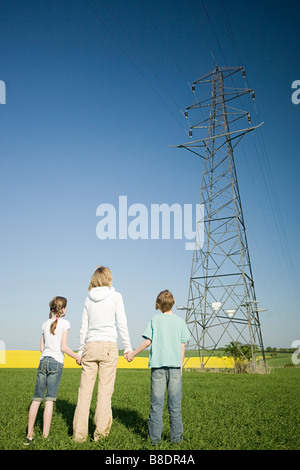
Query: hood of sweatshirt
{"x": 97, "y": 294}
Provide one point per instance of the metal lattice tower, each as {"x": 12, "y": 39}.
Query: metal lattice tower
{"x": 222, "y": 305}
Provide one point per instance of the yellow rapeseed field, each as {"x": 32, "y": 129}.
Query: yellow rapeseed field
{"x": 30, "y": 359}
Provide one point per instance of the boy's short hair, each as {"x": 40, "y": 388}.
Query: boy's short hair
{"x": 164, "y": 301}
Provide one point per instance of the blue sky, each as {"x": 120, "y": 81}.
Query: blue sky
{"x": 94, "y": 93}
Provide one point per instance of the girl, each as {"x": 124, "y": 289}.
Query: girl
{"x": 103, "y": 309}
{"x": 53, "y": 346}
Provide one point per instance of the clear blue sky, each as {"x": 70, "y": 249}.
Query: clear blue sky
{"x": 93, "y": 102}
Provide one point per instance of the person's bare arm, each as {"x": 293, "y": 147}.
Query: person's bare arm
{"x": 42, "y": 344}
{"x": 65, "y": 348}
{"x": 131, "y": 354}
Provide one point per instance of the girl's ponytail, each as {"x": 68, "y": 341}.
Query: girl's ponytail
{"x": 56, "y": 305}
{"x": 53, "y": 326}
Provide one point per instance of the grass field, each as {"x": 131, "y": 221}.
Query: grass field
{"x": 220, "y": 411}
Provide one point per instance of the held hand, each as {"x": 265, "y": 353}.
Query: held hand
{"x": 78, "y": 361}
{"x": 130, "y": 356}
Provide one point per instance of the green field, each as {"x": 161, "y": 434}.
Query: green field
{"x": 220, "y": 411}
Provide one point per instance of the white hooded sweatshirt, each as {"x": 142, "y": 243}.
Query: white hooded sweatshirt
{"x": 103, "y": 308}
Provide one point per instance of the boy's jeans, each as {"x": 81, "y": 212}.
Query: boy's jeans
{"x": 160, "y": 377}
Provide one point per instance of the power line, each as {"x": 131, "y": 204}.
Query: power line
{"x": 132, "y": 61}
{"x": 268, "y": 180}
{"x": 203, "y": 35}
{"x": 213, "y": 30}
{"x": 165, "y": 44}
{"x": 270, "y": 187}
{"x": 141, "y": 54}
{"x": 227, "y": 22}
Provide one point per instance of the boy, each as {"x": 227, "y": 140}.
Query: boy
{"x": 167, "y": 334}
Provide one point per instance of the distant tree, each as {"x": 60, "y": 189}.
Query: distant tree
{"x": 241, "y": 354}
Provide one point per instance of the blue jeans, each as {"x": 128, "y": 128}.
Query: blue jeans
{"x": 48, "y": 377}
{"x": 161, "y": 378}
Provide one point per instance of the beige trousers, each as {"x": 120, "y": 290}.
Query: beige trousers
{"x": 99, "y": 357}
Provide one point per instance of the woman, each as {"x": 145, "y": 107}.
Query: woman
{"x": 103, "y": 308}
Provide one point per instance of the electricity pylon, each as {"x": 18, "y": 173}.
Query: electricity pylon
{"x": 222, "y": 305}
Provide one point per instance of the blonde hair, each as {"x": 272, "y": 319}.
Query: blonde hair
{"x": 164, "y": 301}
{"x": 101, "y": 277}
{"x": 56, "y": 305}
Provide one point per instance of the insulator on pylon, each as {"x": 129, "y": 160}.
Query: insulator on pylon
{"x": 193, "y": 88}
{"x": 191, "y": 134}
{"x": 186, "y": 114}
{"x": 253, "y": 95}
{"x": 249, "y": 118}
{"x": 243, "y": 73}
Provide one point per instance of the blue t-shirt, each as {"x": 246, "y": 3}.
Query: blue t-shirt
{"x": 167, "y": 332}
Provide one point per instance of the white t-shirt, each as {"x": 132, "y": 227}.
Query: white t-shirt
{"x": 53, "y": 342}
